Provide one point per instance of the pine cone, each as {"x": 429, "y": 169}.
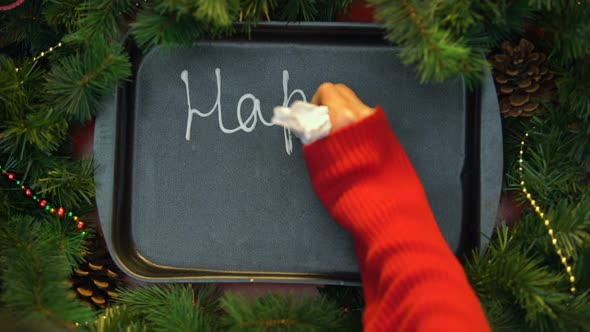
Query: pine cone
{"x": 96, "y": 280}
{"x": 523, "y": 80}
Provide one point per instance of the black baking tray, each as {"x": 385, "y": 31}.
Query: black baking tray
{"x": 236, "y": 207}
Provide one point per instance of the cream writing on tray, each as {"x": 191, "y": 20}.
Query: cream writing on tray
{"x": 250, "y": 122}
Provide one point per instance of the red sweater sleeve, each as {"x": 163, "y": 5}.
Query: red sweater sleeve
{"x": 411, "y": 279}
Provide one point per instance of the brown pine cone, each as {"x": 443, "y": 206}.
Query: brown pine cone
{"x": 95, "y": 280}
{"x": 523, "y": 80}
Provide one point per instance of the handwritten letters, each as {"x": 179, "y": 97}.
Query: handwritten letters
{"x": 247, "y": 124}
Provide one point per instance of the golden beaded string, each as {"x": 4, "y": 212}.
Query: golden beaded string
{"x": 546, "y": 222}
{"x": 43, "y": 54}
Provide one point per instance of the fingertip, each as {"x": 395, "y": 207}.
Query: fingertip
{"x": 323, "y": 90}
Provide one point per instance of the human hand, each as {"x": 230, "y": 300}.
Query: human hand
{"x": 344, "y": 106}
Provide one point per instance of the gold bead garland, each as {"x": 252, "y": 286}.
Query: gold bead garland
{"x": 547, "y": 222}
{"x": 43, "y": 54}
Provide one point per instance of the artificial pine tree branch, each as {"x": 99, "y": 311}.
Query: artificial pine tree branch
{"x": 63, "y": 13}
{"x": 570, "y": 223}
{"x": 581, "y": 266}
{"x": 214, "y": 16}
{"x": 437, "y": 53}
{"x": 294, "y": 10}
{"x": 458, "y": 16}
{"x": 574, "y": 91}
{"x": 19, "y": 87}
{"x": 301, "y": 10}
{"x": 26, "y": 25}
{"x": 9, "y": 82}
{"x": 42, "y": 129}
{"x": 351, "y": 302}
{"x": 69, "y": 182}
{"x": 6, "y": 208}
{"x": 173, "y": 307}
{"x": 76, "y": 83}
{"x": 509, "y": 272}
{"x": 253, "y": 10}
{"x": 100, "y": 19}
{"x": 34, "y": 287}
{"x": 119, "y": 319}
{"x": 217, "y": 14}
{"x": 497, "y": 21}
{"x": 566, "y": 29}
{"x": 555, "y": 163}
{"x": 328, "y": 10}
{"x": 280, "y": 313}
{"x": 158, "y": 26}
{"x": 551, "y": 5}
{"x": 26, "y": 122}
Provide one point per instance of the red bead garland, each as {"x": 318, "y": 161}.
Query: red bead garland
{"x": 11, "y": 5}
{"x": 43, "y": 204}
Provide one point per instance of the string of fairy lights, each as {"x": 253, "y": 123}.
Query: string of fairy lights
{"x": 60, "y": 211}
{"x": 546, "y": 221}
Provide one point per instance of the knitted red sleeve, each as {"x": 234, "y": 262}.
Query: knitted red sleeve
{"x": 411, "y": 279}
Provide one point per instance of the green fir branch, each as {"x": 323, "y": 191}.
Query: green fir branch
{"x": 298, "y": 10}
{"x": 567, "y": 31}
{"x": 573, "y": 88}
{"x": 69, "y": 182}
{"x": 510, "y": 275}
{"x": 26, "y": 25}
{"x": 119, "y": 318}
{"x": 551, "y": 5}
{"x": 280, "y": 313}
{"x": 580, "y": 268}
{"x": 155, "y": 27}
{"x": 437, "y": 54}
{"x": 219, "y": 15}
{"x": 173, "y": 307}
{"x": 254, "y": 10}
{"x": 314, "y": 10}
{"x": 351, "y": 302}
{"x": 500, "y": 20}
{"x": 458, "y": 16}
{"x": 100, "y": 19}
{"x": 11, "y": 202}
{"x": 76, "y": 83}
{"x": 330, "y": 9}
{"x": 6, "y": 204}
{"x": 34, "y": 283}
{"x": 26, "y": 121}
{"x": 64, "y": 13}
{"x": 555, "y": 162}
{"x": 19, "y": 87}
{"x": 12, "y": 94}
{"x": 570, "y": 221}
{"x": 41, "y": 129}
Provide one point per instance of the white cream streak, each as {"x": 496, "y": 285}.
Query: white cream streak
{"x": 247, "y": 125}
